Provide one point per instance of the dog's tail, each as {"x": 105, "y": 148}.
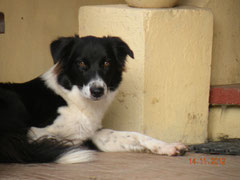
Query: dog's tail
{"x": 15, "y": 148}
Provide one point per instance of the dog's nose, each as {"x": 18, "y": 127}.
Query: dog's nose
{"x": 97, "y": 91}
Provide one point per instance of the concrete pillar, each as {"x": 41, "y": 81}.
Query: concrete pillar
{"x": 165, "y": 90}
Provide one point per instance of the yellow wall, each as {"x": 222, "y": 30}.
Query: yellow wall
{"x": 223, "y": 122}
{"x": 30, "y": 27}
{"x": 226, "y": 39}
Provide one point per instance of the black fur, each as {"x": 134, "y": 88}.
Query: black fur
{"x": 15, "y": 148}
{"x": 21, "y": 107}
{"x": 30, "y": 99}
{"x": 33, "y": 104}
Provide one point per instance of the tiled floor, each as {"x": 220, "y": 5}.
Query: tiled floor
{"x": 130, "y": 166}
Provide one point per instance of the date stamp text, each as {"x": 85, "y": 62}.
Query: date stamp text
{"x": 207, "y": 161}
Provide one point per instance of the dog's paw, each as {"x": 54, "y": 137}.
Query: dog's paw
{"x": 37, "y": 133}
{"x": 172, "y": 149}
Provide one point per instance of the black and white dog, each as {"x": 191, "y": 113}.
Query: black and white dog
{"x": 57, "y": 116}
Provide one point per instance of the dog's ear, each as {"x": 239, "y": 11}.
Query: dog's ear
{"x": 121, "y": 49}
{"x": 61, "y": 48}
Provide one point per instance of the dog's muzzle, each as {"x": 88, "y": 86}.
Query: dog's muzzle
{"x": 95, "y": 89}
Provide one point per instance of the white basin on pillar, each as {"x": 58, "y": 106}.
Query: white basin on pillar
{"x": 152, "y": 3}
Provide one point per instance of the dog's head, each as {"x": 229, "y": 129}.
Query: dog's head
{"x": 94, "y": 65}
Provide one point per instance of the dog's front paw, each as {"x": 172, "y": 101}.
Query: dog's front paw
{"x": 175, "y": 149}
{"x": 172, "y": 149}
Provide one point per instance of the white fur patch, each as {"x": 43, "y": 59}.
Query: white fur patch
{"x": 76, "y": 156}
{"x": 121, "y": 141}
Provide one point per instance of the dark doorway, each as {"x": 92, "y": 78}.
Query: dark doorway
{"x": 2, "y": 23}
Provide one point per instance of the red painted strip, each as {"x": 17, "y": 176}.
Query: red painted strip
{"x": 225, "y": 95}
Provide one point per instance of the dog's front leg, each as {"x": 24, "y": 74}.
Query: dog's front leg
{"x": 121, "y": 141}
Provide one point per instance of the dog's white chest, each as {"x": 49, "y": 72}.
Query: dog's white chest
{"x": 75, "y": 124}
{"x": 72, "y": 124}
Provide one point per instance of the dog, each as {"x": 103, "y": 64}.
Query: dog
{"x": 57, "y": 116}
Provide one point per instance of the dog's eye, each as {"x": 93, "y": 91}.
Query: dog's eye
{"x": 82, "y": 65}
{"x": 106, "y": 64}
